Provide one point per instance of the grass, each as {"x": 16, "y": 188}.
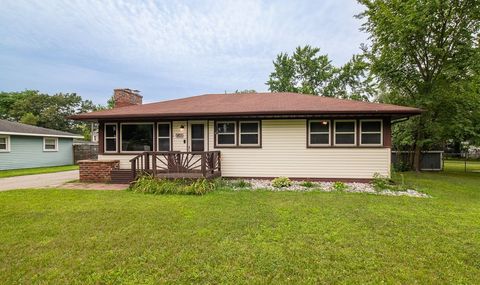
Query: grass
{"x": 103, "y": 237}
{"x": 459, "y": 165}
{"x": 37, "y": 170}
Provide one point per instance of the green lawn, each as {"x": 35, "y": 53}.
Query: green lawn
{"x": 37, "y": 170}
{"x": 90, "y": 237}
{"x": 459, "y": 165}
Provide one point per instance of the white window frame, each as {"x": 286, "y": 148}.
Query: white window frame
{"x": 136, "y": 123}
{"x": 381, "y": 132}
{"x": 105, "y": 138}
{"x": 7, "y": 142}
{"x": 169, "y": 135}
{"x": 240, "y": 133}
{"x": 345, "y": 133}
{"x": 44, "y": 143}
{"x": 234, "y": 134}
{"x": 329, "y": 133}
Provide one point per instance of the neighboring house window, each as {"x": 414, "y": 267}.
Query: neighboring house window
{"x": 319, "y": 133}
{"x": 371, "y": 133}
{"x": 226, "y": 133}
{"x": 345, "y": 132}
{"x": 110, "y": 137}
{"x": 136, "y": 137}
{"x": 50, "y": 144}
{"x": 250, "y": 133}
{"x": 164, "y": 137}
{"x": 4, "y": 143}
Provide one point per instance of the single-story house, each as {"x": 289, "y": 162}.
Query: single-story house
{"x": 249, "y": 135}
{"x": 26, "y": 146}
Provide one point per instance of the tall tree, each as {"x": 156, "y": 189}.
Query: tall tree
{"x": 49, "y": 111}
{"x": 427, "y": 54}
{"x": 309, "y": 72}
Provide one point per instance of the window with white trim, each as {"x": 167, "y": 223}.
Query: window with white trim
{"x": 110, "y": 137}
{"x": 4, "y": 143}
{"x": 50, "y": 144}
{"x": 226, "y": 133}
{"x": 319, "y": 133}
{"x": 371, "y": 133}
{"x": 249, "y": 133}
{"x": 164, "y": 136}
{"x": 345, "y": 132}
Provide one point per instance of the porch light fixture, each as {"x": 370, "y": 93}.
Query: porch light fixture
{"x": 324, "y": 123}
{"x": 182, "y": 128}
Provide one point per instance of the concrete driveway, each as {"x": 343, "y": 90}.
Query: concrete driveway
{"x": 38, "y": 180}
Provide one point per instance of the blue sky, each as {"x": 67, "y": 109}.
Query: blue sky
{"x": 165, "y": 49}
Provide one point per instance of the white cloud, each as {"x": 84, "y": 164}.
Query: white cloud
{"x": 207, "y": 45}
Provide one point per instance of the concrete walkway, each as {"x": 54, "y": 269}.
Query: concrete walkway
{"x": 38, "y": 180}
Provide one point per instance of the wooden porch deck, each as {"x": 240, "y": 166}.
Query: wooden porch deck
{"x": 171, "y": 165}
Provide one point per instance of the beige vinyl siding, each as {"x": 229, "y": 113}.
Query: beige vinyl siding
{"x": 284, "y": 153}
{"x": 178, "y": 143}
{"x": 124, "y": 159}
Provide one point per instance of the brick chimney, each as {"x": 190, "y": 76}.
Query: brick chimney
{"x": 126, "y": 97}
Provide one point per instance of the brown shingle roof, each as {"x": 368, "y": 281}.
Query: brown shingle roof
{"x": 217, "y": 105}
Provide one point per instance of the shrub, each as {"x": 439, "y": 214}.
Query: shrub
{"x": 151, "y": 185}
{"x": 281, "y": 182}
{"x": 381, "y": 183}
{"x": 199, "y": 187}
{"x": 307, "y": 184}
{"x": 402, "y": 166}
{"x": 241, "y": 184}
{"x": 220, "y": 183}
{"x": 339, "y": 186}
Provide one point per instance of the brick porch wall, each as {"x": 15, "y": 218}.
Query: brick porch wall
{"x": 97, "y": 170}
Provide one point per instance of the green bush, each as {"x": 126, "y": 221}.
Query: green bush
{"x": 402, "y": 166}
{"x": 240, "y": 184}
{"x": 281, "y": 182}
{"x": 308, "y": 184}
{"x": 151, "y": 185}
{"x": 381, "y": 183}
{"x": 339, "y": 186}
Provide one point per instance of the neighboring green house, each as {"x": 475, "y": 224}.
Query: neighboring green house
{"x": 26, "y": 146}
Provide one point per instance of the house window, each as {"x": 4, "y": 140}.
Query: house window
{"x": 250, "y": 133}
{"x": 319, "y": 133}
{"x": 110, "y": 137}
{"x": 345, "y": 132}
{"x": 136, "y": 137}
{"x": 4, "y": 143}
{"x": 226, "y": 133}
{"x": 164, "y": 137}
{"x": 50, "y": 144}
{"x": 371, "y": 133}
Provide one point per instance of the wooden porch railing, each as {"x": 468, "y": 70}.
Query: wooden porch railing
{"x": 176, "y": 164}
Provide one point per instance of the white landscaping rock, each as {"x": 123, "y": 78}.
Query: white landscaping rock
{"x": 259, "y": 184}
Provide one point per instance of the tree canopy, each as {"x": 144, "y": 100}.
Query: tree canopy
{"x": 309, "y": 72}
{"x": 427, "y": 55}
{"x": 43, "y": 110}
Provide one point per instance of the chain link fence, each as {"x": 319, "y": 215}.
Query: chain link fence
{"x": 461, "y": 162}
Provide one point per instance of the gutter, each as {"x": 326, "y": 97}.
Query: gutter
{"x": 41, "y": 135}
{"x": 400, "y": 120}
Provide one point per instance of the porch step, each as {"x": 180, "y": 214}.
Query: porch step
{"x": 122, "y": 176}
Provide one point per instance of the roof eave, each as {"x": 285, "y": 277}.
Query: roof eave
{"x": 92, "y": 117}
{"x": 73, "y": 136}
